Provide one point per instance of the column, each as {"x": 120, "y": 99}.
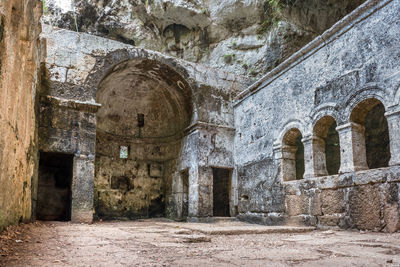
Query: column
{"x": 82, "y": 189}
{"x": 193, "y": 192}
{"x": 288, "y": 162}
{"x": 205, "y": 191}
{"x": 393, "y": 119}
{"x": 314, "y": 157}
{"x": 352, "y": 147}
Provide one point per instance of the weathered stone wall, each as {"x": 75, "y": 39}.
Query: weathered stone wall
{"x": 356, "y": 60}
{"x": 19, "y": 65}
{"x": 77, "y": 66}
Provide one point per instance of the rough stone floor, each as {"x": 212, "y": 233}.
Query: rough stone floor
{"x": 165, "y": 243}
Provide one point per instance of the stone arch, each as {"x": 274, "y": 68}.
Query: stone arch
{"x": 114, "y": 60}
{"x": 373, "y": 139}
{"x": 294, "y": 123}
{"x": 327, "y": 109}
{"x": 146, "y": 106}
{"x": 369, "y": 91}
{"x": 326, "y": 146}
{"x": 292, "y": 155}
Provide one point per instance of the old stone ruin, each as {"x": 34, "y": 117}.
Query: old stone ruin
{"x": 110, "y": 116}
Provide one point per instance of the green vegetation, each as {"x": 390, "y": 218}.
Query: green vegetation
{"x": 205, "y": 11}
{"x": 44, "y": 6}
{"x": 228, "y": 58}
{"x": 245, "y": 65}
{"x": 273, "y": 12}
{"x": 253, "y": 72}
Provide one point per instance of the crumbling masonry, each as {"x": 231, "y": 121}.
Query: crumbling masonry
{"x": 122, "y": 132}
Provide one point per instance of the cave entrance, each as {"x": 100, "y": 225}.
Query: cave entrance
{"x": 221, "y": 192}
{"x": 54, "y": 187}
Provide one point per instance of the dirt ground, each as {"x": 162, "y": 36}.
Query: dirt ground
{"x": 165, "y": 243}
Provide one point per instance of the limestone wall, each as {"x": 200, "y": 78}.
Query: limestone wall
{"x": 355, "y": 60}
{"x": 19, "y": 65}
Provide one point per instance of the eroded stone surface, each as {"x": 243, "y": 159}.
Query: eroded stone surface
{"x": 20, "y": 57}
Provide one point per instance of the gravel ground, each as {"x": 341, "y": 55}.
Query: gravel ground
{"x": 164, "y": 243}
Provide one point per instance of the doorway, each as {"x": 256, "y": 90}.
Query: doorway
{"x": 54, "y": 187}
{"x": 221, "y": 192}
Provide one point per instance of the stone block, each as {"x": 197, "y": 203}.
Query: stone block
{"x": 330, "y": 220}
{"x": 393, "y": 174}
{"x": 296, "y": 204}
{"x": 155, "y": 170}
{"x": 365, "y": 207}
{"x": 332, "y": 201}
{"x": 78, "y": 72}
{"x": 301, "y": 220}
{"x": 205, "y": 176}
{"x": 205, "y": 201}
{"x": 291, "y": 188}
{"x": 370, "y": 177}
{"x": 391, "y": 212}
{"x": 335, "y": 181}
{"x": 315, "y": 203}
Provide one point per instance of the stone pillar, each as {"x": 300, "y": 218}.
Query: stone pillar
{"x": 308, "y": 157}
{"x": 193, "y": 192}
{"x": 314, "y": 157}
{"x": 175, "y": 200}
{"x": 288, "y": 162}
{"x": 352, "y": 147}
{"x": 393, "y": 119}
{"x": 234, "y": 198}
{"x": 205, "y": 187}
{"x": 82, "y": 189}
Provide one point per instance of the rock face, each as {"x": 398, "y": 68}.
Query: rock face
{"x": 19, "y": 64}
{"x": 247, "y": 37}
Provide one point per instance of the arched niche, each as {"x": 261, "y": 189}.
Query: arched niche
{"x": 146, "y": 106}
{"x": 292, "y": 155}
{"x": 326, "y": 147}
{"x": 374, "y": 139}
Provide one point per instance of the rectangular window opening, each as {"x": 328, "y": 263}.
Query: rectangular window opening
{"x": 123, "y": 152}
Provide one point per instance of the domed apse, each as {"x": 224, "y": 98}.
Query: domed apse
{"x": 145, "y": 108}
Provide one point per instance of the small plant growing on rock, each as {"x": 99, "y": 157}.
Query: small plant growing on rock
{"x": 45, "y": 8}
{"x": 205, "y": 11}
{"x": 253, "y": 72}
{"x": 273, "y": 10}
{"x": 228, "y": 58}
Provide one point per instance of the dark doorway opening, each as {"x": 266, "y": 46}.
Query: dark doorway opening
{"x": 221, "y": 185}
{"x": 54, "y": 187}
{"x": 332, "y": 150}
{"x": 377, "y": 138}
{"x": 300, "y": 168}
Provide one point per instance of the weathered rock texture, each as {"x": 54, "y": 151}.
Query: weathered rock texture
{"x": 19, "y": 64}
{"x": 245, "y": 37}
{"x": 185, "y": 127}
{"x": 348, "y": 76}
